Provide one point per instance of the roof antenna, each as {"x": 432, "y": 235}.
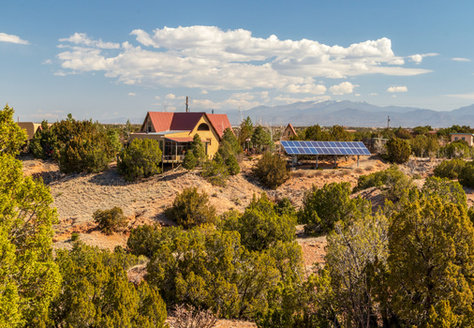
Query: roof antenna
{"x": 187, "y": 108}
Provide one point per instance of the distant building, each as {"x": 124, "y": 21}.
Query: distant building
{"x": 30, "y": 128}
{"x": 468, "y": 137}
{"x": 288, "y": 133}
{"x": 175, "y": 132}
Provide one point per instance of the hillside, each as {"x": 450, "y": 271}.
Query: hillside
{"x": 78, "y": 196}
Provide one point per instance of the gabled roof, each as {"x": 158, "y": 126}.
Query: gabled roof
{"x": 220, "y": 122}
{"x": 289, "y": 126}
{"x": 186, "y": 121}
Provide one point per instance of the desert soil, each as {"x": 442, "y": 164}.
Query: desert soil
{"x": 78, "y": 196}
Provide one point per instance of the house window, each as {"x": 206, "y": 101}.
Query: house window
{"x": 463, "y": 138}
{"x": 203, "y": 127}
{"x": 455, "y": 138}
{"x": 149, "y": 127}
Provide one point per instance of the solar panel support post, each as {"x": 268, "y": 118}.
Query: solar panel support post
{"x": 358, "y": 160}
{"x": 335, "y": 161}
{"x": 317, "y": 161}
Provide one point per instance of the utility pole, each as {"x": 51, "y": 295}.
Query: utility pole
{"x": 388, "y": 122}
{"x": 187, "y": 107}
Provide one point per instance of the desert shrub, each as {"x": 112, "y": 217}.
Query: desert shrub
{"x": 81, "y": 146}
{"x": 95, "y": 292}
{"x": 466, "y": 177}
{"x": 449, "y": 169}
{"x": 447, "y": 190}
{"x": 392, "y": 181}
{"x": 423, "y": 145}
{"x": 74, "y": 236}
{"x": 215, "y": 171}
{"x": 271, "y": 170}
{"x": 261, "y": 225}
{"x": 456, "y": 149}
{"x": 190, "y": 208}
{"x": 323, "y": 207}
{"x": 190, "y": 317}
{"x": 143, "y": 241}
{"x": 210, "y": 269}
{"x": 111, "y": 220}
{"x": 398, "y": 150}
{"x": 141, "y": 159}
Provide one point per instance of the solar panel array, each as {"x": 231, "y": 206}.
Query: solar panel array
{"x": 325, "y": 148}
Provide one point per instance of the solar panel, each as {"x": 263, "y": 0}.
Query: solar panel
{"x": 325, "y": 148}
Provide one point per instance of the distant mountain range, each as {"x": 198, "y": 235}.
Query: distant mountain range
{"x": 356, "y": 114}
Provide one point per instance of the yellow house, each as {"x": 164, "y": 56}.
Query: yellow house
{"x": 175, "y": 132}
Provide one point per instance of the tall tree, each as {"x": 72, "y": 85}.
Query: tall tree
{"x": 245, "y": 132}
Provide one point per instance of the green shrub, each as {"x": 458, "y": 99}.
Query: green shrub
{"x": 111, "y": 220}
{"x": 456, "y": 149}
{"x": 447, "y": 190}
{"x": 143, "y": 241}
{"x": 449, "y": 169}
{"x": 215, "y": 171}
{"x": 323, "y": 207}
{"x": 392, "y": 181}
{"x": 398, "y": 150}
{"x": 261, "y": 225}
{"x": 141, "y": 159}
{"x": 74, "y": 236}
{"x": 190, "y": 208}
{"x": 271, "y": 170}
{"x": 466, "y": 177}
{"x": 190, "y": 162}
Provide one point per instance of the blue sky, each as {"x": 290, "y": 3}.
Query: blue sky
{"x": 108, "y": 60}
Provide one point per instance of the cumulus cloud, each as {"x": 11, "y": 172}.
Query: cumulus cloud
{"x": 211, "y": 59}
{"x": 343, "y": 88}
{"x": 170, "y": 96}
{"x": 418, "y": 58}
{"x": 461, "y": 59}
{"x": 397, "y": 89}
{"x": 12, "y": 39}
{"x": 132, "y": 94}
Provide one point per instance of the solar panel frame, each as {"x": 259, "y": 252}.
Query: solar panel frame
{"x": 296, "y": 147}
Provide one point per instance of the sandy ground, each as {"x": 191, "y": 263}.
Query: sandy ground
{"x": 78, "y": 196}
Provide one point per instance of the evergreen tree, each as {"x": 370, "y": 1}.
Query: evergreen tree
{"x": 141, "y": 159}
{"x": 271, "y": 170}
{"x": 431, "y": 245}
{"x": 12, "y": 137}
{"x": 261, "y": 139}
{"x": 398, "y": 150}
{"x": 29, "y": 276}
{"x": 245, "y": 132}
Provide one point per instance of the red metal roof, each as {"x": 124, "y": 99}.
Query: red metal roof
{"x": 166, "y": 121}
{"x": 220, "y": 122}
{"x": 180, "y": 139}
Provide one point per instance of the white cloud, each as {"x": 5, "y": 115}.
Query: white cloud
{"x": 343, "y": 88}
{"x": 132, "y": 94}
{"x": 170, "y": 96}
{"x": 12, "y": 39}
{"x": 306, "y": 88}
{"x": 47, "y": 62}
{"x": 82, "y": 39}
{"x": 289, "y": 100}
{"x": 418, "y": 58}
{"x": 373, "y": 94}
{"x": 397, "y": 89}
{"x": 461, "y": 59}
{"x": 463, "y": 96}
{"x": 211, "y": 59}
